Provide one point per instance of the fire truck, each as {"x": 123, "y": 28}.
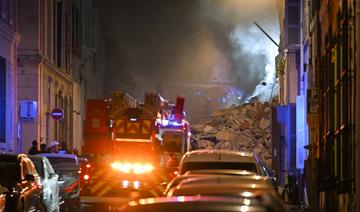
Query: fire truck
{"x": 133, "y": 145}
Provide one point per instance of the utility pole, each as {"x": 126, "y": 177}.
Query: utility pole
{"x": 266, "y": 34}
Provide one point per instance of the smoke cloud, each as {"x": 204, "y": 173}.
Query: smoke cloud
{"x": 154, "y": 43}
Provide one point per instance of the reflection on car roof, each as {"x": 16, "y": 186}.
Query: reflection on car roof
{"x": 221, "y": 172}
{"x": 59, "y": 155}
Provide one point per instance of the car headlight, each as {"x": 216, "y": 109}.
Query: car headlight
{"x": 135, "y": 168}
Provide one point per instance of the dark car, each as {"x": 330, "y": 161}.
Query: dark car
{"x": 68, "y": 168}
{"x": 19, "y": 177}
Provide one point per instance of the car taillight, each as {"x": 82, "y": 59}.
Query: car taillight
{"x": 136, "y": 168}
{"x": 86, "y": 177}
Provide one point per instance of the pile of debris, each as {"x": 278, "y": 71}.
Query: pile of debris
{"x": 245, "y": 127}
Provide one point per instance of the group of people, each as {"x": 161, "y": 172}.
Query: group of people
{"x": 54, "y": 147}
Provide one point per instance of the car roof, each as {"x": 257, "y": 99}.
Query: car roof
{"x": 36, "y": 157}
{"x": 220, "y": 171}
{"x": 57, "y": 155}
{"x": 218, "y": 155}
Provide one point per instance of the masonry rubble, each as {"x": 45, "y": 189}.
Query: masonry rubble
{"x": 245, "y": 128}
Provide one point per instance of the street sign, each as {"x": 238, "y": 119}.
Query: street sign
{"x": 312, "y": 101}
{"x": 57, "y": 114}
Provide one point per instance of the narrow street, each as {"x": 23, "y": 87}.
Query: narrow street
{"x": 179, "y": 105}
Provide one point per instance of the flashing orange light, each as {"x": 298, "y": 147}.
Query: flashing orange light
{"x": 88, "y": 165}
{"x": 136, "y": 168}
{"x": 86, "y": 177}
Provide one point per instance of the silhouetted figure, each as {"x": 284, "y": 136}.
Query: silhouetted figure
{"x": 43, "y": 148}
{"x": 76, "y": 151}
{"x": 34, "y": 149}
{"x": 63, "y": 147}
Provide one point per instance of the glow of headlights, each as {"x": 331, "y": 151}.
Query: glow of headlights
{"x": 125, "y": 183}
{"x": 136, "y": 184}
{"x": 135, "y": 168}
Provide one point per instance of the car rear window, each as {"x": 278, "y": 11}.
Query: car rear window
{"x": 10, "y": 171}
{"x": 219, "y": 165}
{"x": 64, "y": 167}
{"x": 61, "y": 161}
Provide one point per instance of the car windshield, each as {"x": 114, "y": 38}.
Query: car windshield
{"x": 10, "y": 172}
{"x": 219, "y": 165}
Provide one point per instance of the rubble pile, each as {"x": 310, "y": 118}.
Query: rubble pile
{"x": 245, "y": 127}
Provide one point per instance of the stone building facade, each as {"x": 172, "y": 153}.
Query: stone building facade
{"x": 55, "y": 57}
{"x": 9, "y": 40}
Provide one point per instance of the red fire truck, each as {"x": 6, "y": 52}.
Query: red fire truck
{"x": 132, "y": 144}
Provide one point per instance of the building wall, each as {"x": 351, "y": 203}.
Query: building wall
{"x": 56, "y": 59}
{"x": 9, "y": 40}
{"x": 357, "y": 103}
{"x": 87, "y": 64}
{"x": 332, "y": 69}
{"x": 288, "y": 72}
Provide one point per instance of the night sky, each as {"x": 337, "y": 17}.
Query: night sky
{"x": 152, "y": 42}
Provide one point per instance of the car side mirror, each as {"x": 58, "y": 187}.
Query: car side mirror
{"x": 273, "y": 180}
{"x": 30, "y": 177}
{"x": 53, "y": 175}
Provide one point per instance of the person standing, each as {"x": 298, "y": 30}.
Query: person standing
{"x": 43, "y": 148}
{"x": 54, "y": 146}
{"x": 34, "y": 149}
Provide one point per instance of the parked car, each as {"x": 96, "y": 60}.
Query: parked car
{"x": 201, "y": 173}
{"x": 222, "y": 185}
{"x": 49, "y": 181}
{"x": 20, "y": 178}
{"x": 68, "y": 169}
{"x": 250, "y": 187}
{"x": 3, "y": 192}
{"x": 225, "y": 159}
{"x": 85, "y": 168}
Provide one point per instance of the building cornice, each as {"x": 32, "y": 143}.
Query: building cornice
{"x": 58, "y": 71}
{"x": 33, "y": 56}
{"x": 8, "y": 33}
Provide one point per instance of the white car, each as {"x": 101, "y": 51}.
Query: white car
{"x": 49, "y": 181}
{"x": 68, "y": 168}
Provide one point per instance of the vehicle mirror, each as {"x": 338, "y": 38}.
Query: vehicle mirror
{"x": 30, "y": 177}
{"x": 53, "y": 175}
{"x": 273, "y": 180}
{"x": 3, "y": 190}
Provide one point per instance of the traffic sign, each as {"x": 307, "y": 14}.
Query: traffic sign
{"x": 57, "y": 114}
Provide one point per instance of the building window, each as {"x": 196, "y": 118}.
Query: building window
{"x": 2, "y": 99}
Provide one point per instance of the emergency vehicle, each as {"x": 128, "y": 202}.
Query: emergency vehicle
{"x": 132, "y": 145}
